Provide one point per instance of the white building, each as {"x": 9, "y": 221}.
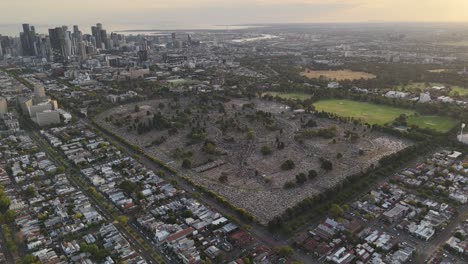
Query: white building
{"x": 396, "y": 94}
{"x": 424, "y": 97}
{"x": 333, "y": 85}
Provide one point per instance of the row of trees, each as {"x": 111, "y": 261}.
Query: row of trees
{"x": 310, "y": 208}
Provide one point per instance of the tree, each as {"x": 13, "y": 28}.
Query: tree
{"x": 289, "y": 185}
{"x": 285, "y": 251}
{"x": 4, "y": 204}
{"x": 336, "y": 211}
{"x": 250, "y": 135}
{"x": 339, "y": 156}
{"x": 29, "y": 192}
{"x": 128, "y": 187}
{"x": 137, "y": 108}
{"x": 288, "y": 165}
{"x": 187, "y": 214}
{"x": 301, "y": 178}
{"x": 8, "y": 217}
{"x": 209, "y": 148}
{"x": 30, "y": 259}
{"x": 266, "y": 150}
{"x": 122, "y": 219}
{"x": 223, "y": 178}
{"x": 326, "y": 164}
{"x": 186, "y": 163}
{"x": 312, "y": 174}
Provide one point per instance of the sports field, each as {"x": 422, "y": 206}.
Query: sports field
{"x": 338, "y": 75}
{"x": 437, "y": 123}
{"x": 367, "y": 112}
{"x": 299, "y": 96}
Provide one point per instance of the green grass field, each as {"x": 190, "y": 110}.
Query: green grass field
{"x": 300, "y": 96}
{"x": 367, "y": 112}
{"x": 461, "y": 91}
{"x": 437, "y": 123}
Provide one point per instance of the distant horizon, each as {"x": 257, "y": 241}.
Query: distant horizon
{"x": 13, "y": 29}
{"x": 170, "y": 14}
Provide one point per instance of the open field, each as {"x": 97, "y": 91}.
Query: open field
{"x": 463, "y": 43}
{"x": 438, "y": 70}
{"x": 459, "y": 90}
{"x": 338, "y": 75}
{"x": 299, "y": 96}
{"x": 236, "y": 131}
{"x": 437, "y": 123}
{"x": 367, "y": 112}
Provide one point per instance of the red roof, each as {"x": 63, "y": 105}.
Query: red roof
{"x": 180, "y": 234}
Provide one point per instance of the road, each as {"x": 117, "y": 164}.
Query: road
{"x": 257, "y": 231}
{"x": 45, "y": 146}
{"x": 441, "y": 237}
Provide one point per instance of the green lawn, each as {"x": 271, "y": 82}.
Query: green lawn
{"x": 299, "y": 96}
{"x": 461, "y": 91}
{"x": 367, "y": 112}
{"x": 437, "y": 123}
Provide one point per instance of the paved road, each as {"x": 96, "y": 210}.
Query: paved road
{"x": 258, "y": 231}
{"x": 147, "y": 254}
{"x": 427, "y": 250}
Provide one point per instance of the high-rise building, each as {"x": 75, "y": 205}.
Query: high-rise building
{"x": 28, "y": 40}
{"x": 57, "y": 42}
{"x": 102, "y": 41}
{"x": 82, "y": 50}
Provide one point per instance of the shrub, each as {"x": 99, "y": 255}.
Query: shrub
{"x": 288, "y": 165}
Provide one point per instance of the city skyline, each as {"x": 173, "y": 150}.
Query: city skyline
{"x": 208, "y": 12}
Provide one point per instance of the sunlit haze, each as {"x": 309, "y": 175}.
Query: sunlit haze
{"x": 177, "y": 12}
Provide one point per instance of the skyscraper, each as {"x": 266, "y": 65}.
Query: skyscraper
{"x": 100, "y": 36}
{"x": 57, "y": 42}
{"x": 27, "y": 38}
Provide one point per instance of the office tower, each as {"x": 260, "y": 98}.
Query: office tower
{"x": 100, "y": 35}
{"x": 104, "y": 39}
{"x": 45, "y": 47}
{"x": 69, "y": 47}
{"x": 173, "y": 38}
{"x": 82, "y": 50}
{"x": 96, "y": 32}
{"x": 27, "y": 38}
{"x": 1, "y": 48}
{"x": 57, "y": 42}
{"x": 77, "y": 34}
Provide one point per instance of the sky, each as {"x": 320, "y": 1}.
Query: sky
{"x": 154, "y": 14}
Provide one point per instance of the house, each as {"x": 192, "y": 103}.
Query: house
{"x": 395, "y": 213}
{"x": 424, "y": 97}
{"x": 333, "y": 85}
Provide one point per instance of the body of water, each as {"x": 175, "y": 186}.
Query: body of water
{"x": 126, "y": 29}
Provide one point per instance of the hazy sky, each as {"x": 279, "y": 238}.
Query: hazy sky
{"x": 209, "y": 12}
